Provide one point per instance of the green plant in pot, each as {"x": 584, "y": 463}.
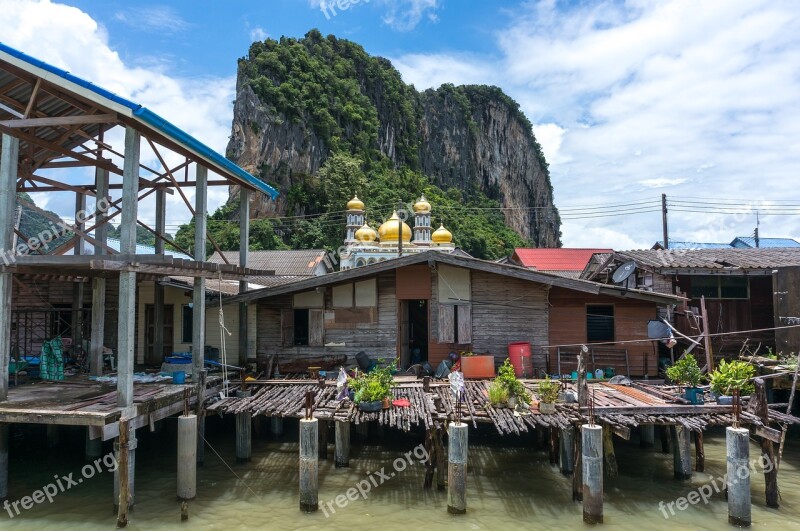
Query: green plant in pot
{"x": 508, "y": 379}
{"x": 498, "y": 394}
{"x": 548, "y": 394}
{"x": 688, "y": 374}
{"x": 373, "y": 389}
{"x": 732, "y": 376}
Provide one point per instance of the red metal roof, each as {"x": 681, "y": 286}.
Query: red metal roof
{"x": 556, "y": 259}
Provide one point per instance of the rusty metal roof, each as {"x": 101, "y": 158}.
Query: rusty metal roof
{"x": 715, "y": 259}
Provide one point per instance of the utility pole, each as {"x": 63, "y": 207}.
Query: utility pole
{"x": 664, "y": 220}
{"x": 399, "y": 229}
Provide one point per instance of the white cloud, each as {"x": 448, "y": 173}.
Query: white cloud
{"x": 405, "y": 15}
{"x": 694, "y": 99}
{"x": 258, "y": 34}
{"x": 201, "y": 107}
{"x": 155, "y": 19}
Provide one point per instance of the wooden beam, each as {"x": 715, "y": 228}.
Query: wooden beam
{"x": 32, "y": 99}
{"x": 57, "y": 121}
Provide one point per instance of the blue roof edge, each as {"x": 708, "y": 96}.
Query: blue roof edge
{"x": 150, "y": 118}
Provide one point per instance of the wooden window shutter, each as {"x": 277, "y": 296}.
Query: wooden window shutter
{"x": 287, "y": 327}
{"x": 446, "y": 325}
{"x": 316, "y": 328}
{"x": 464, "y": 323}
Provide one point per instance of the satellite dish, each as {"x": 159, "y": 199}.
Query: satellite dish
{"x": 624, "y": 271}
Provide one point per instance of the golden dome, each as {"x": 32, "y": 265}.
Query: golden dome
{"x": 442, "y": 235}
{"x": 366, "y": 234}
{"x": 422, "y": 206}
{"x": 388, "y": 231}
{"x": 355, "y": 204}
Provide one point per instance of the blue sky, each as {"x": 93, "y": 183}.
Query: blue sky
{"x": 629, "y": 99}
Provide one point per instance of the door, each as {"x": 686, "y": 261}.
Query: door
{"x": 151, "y": 357}
{"x": 413, "y": 332}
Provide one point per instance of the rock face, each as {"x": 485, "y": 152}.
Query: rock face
{"x": 464, "y": 137}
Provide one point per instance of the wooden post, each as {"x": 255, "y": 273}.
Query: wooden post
{"x": 554, "y": 445}
{"x": 244, "y": 437}
{"x": 611, "y": 468}
{"x": 97, "y": 336}
{"x": 681, "y": 452}
{"x": 309, "y": 465}
{"x": 199, "y": 292}
{"x": 341, "y": 455}
{"x": 663, "y": 432}
{"x": 187, "y": 457}
{"x": 758, "y": 406}
{"x": 699, "y": 452}
{"x": 707, "y": 337}
{"x": 93, "y": 448}
{"x": 458, "y": 446}
{"x": 592, "y": 444}
{"x": 3, "y": 461}
{"x": 125, "y": 499}
{"x": 647, "y": 435}
{"x": 323, "y": 439}
{"x": 244, "y": 240}
{"x": 737, "y": 442}
{"x": 9, "y": 159}
{"x": 200, "y": 411}
{"x": 566, "y": 450}
{"x": 577, "y": 471}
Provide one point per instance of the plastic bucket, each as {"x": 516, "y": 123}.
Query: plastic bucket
{"x": 519, "y": 354}
{"x": 178, "y": 377}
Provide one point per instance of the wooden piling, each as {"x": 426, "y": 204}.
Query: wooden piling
{"x": 309, "y": 465}
{"x": 130, "y": 455}
{"x": 554, "y": 445}
{"x": 187, "y": 457}
{"x": 592, "y": 445}
{"x": 125, "y": 495}
{"x": 3, "y": 461}
{"x": 244, "y": 435}
{"x": 681, "y": 452}
{"x": 457, "y": 468}
{"x": 341, "y": 456}
{"x": 566, "y": 457}
{"x": 758, "y": 406}
{"x": 610, "y": 456}
{"x": 737, "y": 443}
{"x": 663, "y": 432}
{"x": 647, "y": 435}
{"x": 577, "y": 471}
{"x": 323, "y": 439}
{"x": 699, "y": 452}
{"x": 276, "y": 427}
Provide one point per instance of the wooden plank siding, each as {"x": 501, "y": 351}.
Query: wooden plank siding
{"x": 506, "y": 310}
{"x": 568, "y": 326}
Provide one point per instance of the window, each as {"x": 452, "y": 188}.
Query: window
{"x": 302, "y": 327}
{"x": 719, "y": 287}
{"x": 599, "y": 323}
{"x": 362, "y": 294}
{"x": 455, "y": 323}
{"x": 187, "y": 323}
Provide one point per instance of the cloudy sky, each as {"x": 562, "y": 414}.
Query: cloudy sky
{"x": 698, "y": 100}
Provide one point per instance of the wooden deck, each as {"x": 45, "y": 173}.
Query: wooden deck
{"x": 79, "y": 401}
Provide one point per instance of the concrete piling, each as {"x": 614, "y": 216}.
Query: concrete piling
{"x": 341, "y": 457}
{"x": 457, "y": 468}
{"x": 566, "y": 450}
{"x": 93, "y": 447}
{"x": 682, "y": 452}
{"x": 309, "y": 465}
{"x": 737, "y": 443}
{"x": 187, "y": 457}
{"x": 244, "y": 448}
{"x": 276, "y": 427}
{"x": 592, "y": 463}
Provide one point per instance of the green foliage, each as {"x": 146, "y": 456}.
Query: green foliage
{"x": 374, "y": 385}
{"x": 548, "y": 390}
{"x": 507, "y": 379}
{"x": 498, "y": 393}
{"x": 733, "y": 375}
{"x": 686, "y": 372}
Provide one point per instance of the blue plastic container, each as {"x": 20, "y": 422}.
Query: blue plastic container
{"x": 178, "y": 377}
{"x": 176, "y": 360}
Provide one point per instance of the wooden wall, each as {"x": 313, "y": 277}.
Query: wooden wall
{"x": 568, "y": 325}
{"x": 787, "y": 309}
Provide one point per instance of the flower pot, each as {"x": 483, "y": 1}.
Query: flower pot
{"x": 724, "y": 400}
{"x": 694, "y": 395}
{"x": 547, "y": 408}
{"x": 512, "y": 402}
{"x": 386, "y": 403}
{"x": 375, "y": 405}
{"x": 477, "y": 366}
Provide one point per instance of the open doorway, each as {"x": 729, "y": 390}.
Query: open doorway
{"x": 413, "y": 332}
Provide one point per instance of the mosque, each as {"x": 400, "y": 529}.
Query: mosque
{"x": 364, "y": 245}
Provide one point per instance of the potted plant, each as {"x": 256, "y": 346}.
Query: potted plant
{"x": 688, "y": 374}
{"x": 506, "y": 378}
{"x": 373, "y": 389}
{"x": 475, "y": 366}
{"x": 548, "y": 394}
{"x": 498, "y": 394}
{"x": 732, "y": 376}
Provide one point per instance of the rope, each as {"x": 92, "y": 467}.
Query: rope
{"x": 222, "y": 331}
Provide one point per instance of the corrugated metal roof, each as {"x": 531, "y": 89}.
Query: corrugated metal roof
{"x": 715, "y": 259}
{"x": 556, "y": 259}
{"x": 291, "y": 263}
{"x": 750, "y": 241}
{"x": 691, "y": 245}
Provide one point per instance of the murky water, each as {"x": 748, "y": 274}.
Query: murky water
{"x": 508, "y": 488}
